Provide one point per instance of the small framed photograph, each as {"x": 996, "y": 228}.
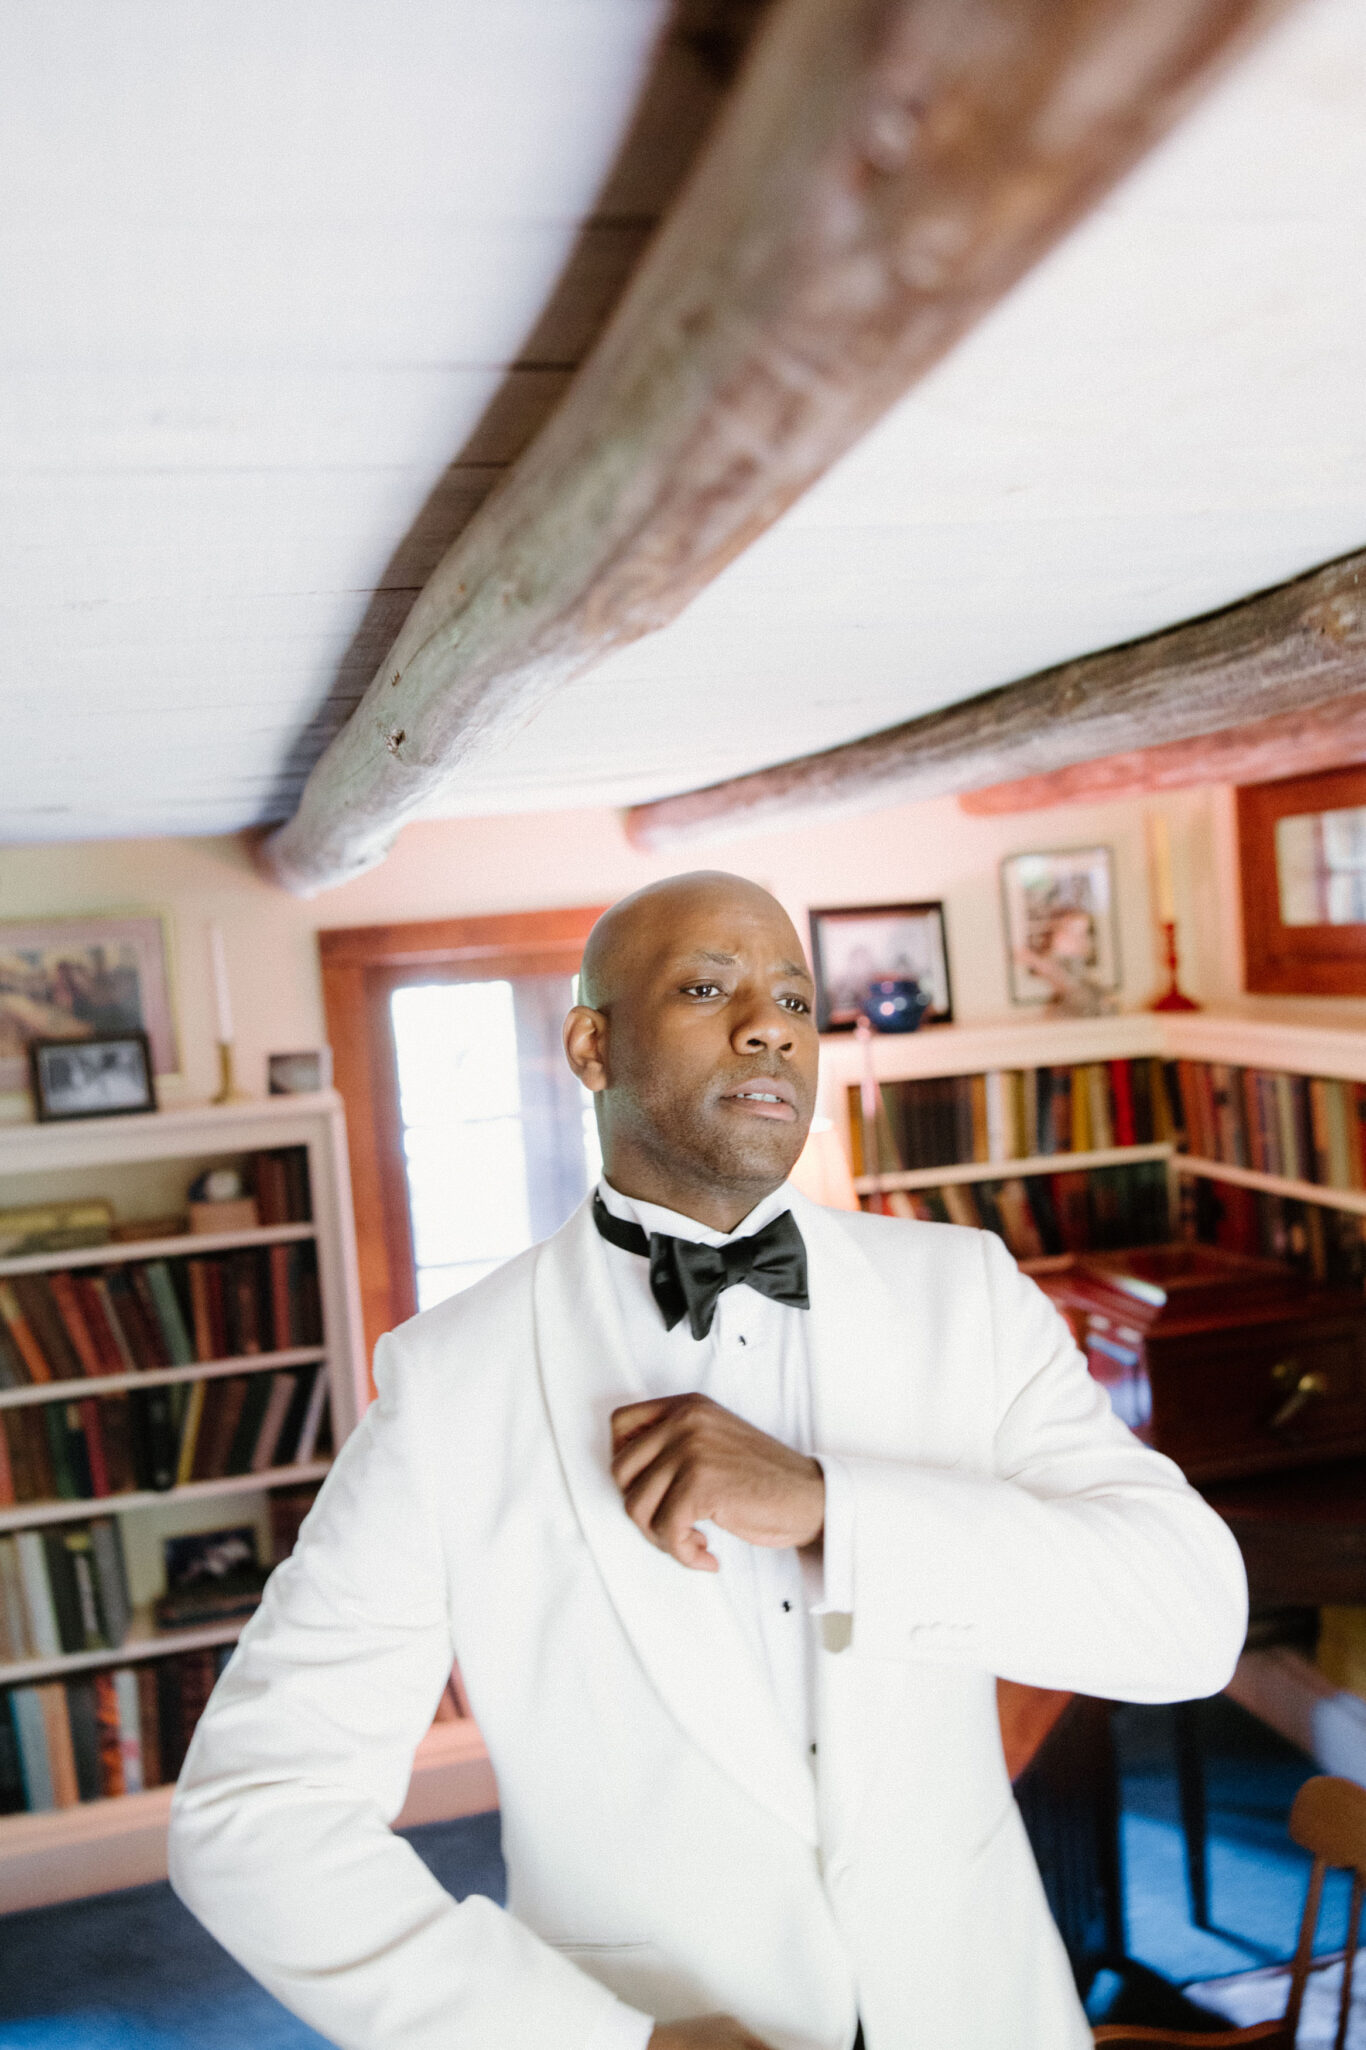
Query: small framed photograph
{"x": 103, "y": 1077}
{"x": 867, "y": 943}
{"x": 299, "y": 1074}
{"x": 1061, "y": 933}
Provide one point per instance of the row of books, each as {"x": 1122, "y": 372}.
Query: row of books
{"x": 163, "y": 1437}
{"x": 1041, "y": 1216}
{"x": 116, "y": 1732}
{"x": 104, "y": 1733}
{"x": 1017, "y": 1114}
{"x": 63, "y": 1590}
{"x": 87, "y": 1323}
{"x": 1309, "y": 1128}
{"x": 1326, "y": 1244}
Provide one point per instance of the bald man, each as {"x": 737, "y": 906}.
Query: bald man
{"x": 733, "y": 1508}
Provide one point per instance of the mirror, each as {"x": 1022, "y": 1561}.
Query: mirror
{"x": 1321, "y": 867}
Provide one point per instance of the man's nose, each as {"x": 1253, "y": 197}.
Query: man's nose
{"x": 763, "y": 1026}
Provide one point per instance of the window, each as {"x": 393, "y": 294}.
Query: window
{"x": 469, "y": 1137}
{"x": 499, "y": 1141}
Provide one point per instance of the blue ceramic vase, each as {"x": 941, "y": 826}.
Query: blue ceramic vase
{"x": 896, "y": 1004}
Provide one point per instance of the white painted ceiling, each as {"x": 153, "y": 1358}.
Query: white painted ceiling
{"x": 282, "y": 289}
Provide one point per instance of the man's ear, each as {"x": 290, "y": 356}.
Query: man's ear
{"x": 585, "y": 1046}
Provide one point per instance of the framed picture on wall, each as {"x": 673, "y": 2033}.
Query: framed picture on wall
{"x": 867, "y": 943}
{"x": 1060, "y": 925}
{"x": 79, "y": 979}
{"x": 1302, "y": 866}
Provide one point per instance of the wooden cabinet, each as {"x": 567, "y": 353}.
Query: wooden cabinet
{"x": 1229, "y": 1365}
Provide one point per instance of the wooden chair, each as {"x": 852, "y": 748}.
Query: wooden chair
{"x": 1329, "y": 1821}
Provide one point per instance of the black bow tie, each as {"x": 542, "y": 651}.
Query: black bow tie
{"x": 686, "y": 1278}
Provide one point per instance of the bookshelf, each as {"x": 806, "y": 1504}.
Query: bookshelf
{"x": 1318, "y": 1040}
{"x": 37, "y": 1515}
{"x": 103, "y": 1845}
{"x": 965, "y": 1171}
{"x": 143, "y": 1165}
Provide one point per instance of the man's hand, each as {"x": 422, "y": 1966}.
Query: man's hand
{"x": 679, "y": 1460}
{"x": 712, "y": 2032}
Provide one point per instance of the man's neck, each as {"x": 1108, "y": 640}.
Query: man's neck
{"x": 720, "y": 1207}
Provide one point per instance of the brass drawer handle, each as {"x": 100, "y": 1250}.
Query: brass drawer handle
{"x": 1306, "y": 1387}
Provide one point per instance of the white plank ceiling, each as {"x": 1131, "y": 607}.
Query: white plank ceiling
{"x": 282, "y": 289}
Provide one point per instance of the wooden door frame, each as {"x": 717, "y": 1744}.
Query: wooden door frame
{"x": 361, "y": 966}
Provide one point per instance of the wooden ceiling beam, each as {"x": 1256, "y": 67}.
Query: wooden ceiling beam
{"x": 883, "y": 173}
{"x": 1284, "y": 661}
{"x": 1325, "y": 736}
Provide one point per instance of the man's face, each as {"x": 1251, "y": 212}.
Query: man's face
{"x": 711, "y": 1044}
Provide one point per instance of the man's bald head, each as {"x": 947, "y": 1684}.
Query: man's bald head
{"x": 637, "y": 927}
{"x": 694, "y": 1031}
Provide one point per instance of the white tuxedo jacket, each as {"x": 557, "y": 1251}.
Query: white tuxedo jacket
{"x": 667, "y": 1843}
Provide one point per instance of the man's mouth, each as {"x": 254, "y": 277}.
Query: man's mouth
{"x": 765, "y": 1096}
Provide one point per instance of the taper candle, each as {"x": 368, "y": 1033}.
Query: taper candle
{"x": 1162, "y": 869}
{"x": 221, "y": 995}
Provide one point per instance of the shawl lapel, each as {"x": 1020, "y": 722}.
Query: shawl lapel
{"x": 679, "y": 1622}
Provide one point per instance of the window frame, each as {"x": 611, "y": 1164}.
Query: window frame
{"x": 1294, "y": 960}
{"x": 361, "y": 968}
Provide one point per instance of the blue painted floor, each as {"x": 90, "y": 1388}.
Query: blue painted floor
{"x": 1257, "y": 1876}
{"x": 134, "y": 1971}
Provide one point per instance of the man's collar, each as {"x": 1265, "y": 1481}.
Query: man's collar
{"x": 653, "y": 1217}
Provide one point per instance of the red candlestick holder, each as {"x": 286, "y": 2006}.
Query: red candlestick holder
{"x": 1173, "y": 997}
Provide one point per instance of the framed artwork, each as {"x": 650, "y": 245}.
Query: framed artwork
{"x": 866, "y": 943}
{"x": 80, "y": 979}
{"x": 1060, "y": 924}
{"x": 1302, "y": 866}
{"x": 109, "y": 1076}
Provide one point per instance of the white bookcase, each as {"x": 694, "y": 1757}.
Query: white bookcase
{"x": 143, "y": 1165}
{"x": 1300, "y": 1044}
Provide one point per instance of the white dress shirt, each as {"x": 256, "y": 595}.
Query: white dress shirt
{"x": 755, "y": 1362}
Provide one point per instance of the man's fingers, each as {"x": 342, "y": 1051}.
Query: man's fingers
{"x": 664, "y": 1507}
{"x": 634, "y": 1416}
{"x": 638, "y": 1453}
{"x": 674, "y": 1523}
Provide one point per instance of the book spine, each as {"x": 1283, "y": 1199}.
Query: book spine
{"x": 93, "y": 1433}
{"x": 166, "y": 1308}
{"x": 149, "y": 1725}
{"x": 11, "y": 1762}
{"x": 115, "y": 1603}
{"x": 83, "y": 1722}
{"x": 66, "y": 1600}
{"x": 281, "y": 1318}
{"x": 61, "y": 1756}
{"x": 12, "y": 1600}
{"x": 197, "y": 1271}
{"x": 81, "y": 1553}
{"x": 313, "y": 1416}
{"x": 25, "y": 1341}
{"x": 1122, "y": 1100}
{"x": 111, "y": 1340}
{"x": 189, "y": 1432}
{"x": 272, "y": 1423}
{"x": 130, "y": 1728}
{"x": 112, "y": 1781}
{"x": 31, "y": 1729}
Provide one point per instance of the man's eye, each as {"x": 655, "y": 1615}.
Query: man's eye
{"x": 703, "y": 989}
{"x": 795, "y": 1003}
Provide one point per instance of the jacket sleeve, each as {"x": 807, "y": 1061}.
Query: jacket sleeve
{"x": 280, "y": 1840}
{"x": 1082, "y": 1559}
